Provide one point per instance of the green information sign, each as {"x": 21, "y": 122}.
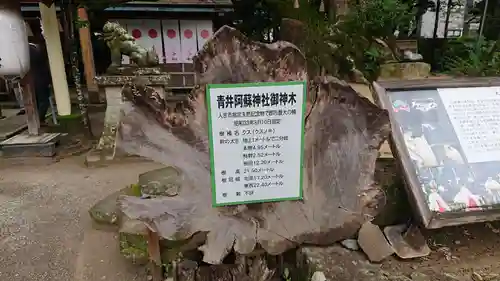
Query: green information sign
{"x": 256, "y": 134}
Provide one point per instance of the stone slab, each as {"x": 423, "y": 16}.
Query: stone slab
{"x": 12, "y": 125}
{"x": 25, "y": 145}
{"x": 336, "y": 263}
{"x": 373, "y": 242}
{"x": 94, "y": 158}
{"x": 408, "y": 243}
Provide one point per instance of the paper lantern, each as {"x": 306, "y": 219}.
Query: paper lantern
{"x": 14, "y": 52}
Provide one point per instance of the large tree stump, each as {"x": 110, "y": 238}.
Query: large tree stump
{"x": 342, "y": 136}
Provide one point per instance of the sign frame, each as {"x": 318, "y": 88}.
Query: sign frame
{"x": 211, "y": 140}
{"x": 431, "y": 220}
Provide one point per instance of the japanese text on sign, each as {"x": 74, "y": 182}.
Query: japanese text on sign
{"x": 256, "y": 135}
{"x": 475, "y": 117}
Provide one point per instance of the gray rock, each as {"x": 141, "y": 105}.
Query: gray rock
{"x": 134, "y": 247}
{"x": 399, "y": 278}
{"x": 350, "y": 244}
{"x": 318, "y": 276}
{"x": 372, "y": 241}
{"x": 337, "y": 263}
{"x": 476, "y": 276}
{"x": 450, "y": 277}
{"x": 161, "y": 182}
{"x": 408, "y": 242}
{"x": 106, "y": 211}
{"x": 133, "y": 241}
{"x": 417, "y": 276}
{"x": 133, "y": 226}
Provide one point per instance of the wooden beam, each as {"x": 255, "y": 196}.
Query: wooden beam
{"x": 87, "y": 54}
{"x": 155, "y": 265}
{"x": 29, "y": 100}
{"x": 50, "y": 26}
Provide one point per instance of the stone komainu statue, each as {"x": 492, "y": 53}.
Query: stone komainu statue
{"x": 121, "y": 43}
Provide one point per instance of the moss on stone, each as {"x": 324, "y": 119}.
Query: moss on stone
{"x": 71, "y": 124}
{"x": 135, "y": 190}
{"x": 134, "y": 247}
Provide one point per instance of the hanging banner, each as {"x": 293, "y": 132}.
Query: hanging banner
{"x": 147, "y": 33}
{"x": 204, "y": 31}
{"x": 188, "y": 41}
{"x": 172, "y": 40}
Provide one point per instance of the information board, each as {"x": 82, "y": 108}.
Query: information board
{"x": 475, "y": 116}
{"x": 256, "y": 134}
{"x": 452, "y": 137}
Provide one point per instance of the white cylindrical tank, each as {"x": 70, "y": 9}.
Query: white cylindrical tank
{"x": 14, "y": 49}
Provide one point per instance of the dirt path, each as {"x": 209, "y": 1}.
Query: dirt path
{"x": 45, "y": 230}
{"x": 46, "y": 233}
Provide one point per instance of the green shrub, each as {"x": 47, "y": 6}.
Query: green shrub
{"x": 471, "y": 57}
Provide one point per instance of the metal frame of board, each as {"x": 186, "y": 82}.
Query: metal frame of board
{"x": 416, "y": 195}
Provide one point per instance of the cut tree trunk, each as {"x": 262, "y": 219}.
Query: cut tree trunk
{"x": 343, "y": 132}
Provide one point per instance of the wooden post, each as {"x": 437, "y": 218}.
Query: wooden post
{"x": 87, "y": 55}
{"x": 56, "y": 60}
{"x": 154, "y": 256}
{"x": 30, "y": 107}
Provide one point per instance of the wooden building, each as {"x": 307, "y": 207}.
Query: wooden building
{"x": 177, "y": 29}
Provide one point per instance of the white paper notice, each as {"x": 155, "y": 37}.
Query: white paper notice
{"x": 475, "y": 116}
{"x": 172, "y": 39}
{"x": 189, "y": 47}
{"x": 204, "y": 30}
{"x": 147, "y": 33}
{"x": 256, "y": 136}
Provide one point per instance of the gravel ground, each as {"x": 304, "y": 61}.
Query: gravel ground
{"x": 46, "y": 233}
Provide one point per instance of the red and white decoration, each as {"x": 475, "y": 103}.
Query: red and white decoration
{"x": 189, "y": 46}
{"x": 204, "y": 31}
{"x": 147, "y": 33}
{"x": 182, "y": 39}
{"x": 436, "y": 203}
{"x": 471, "y": 201}
{"x": 172, "y": 41}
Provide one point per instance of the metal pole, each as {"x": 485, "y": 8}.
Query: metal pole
{"x": 483, "y": 18}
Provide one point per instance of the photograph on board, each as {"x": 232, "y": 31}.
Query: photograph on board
{"x": 448, "y": 181}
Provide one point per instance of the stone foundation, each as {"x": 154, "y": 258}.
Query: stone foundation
{"x": 404, "y": 70}
{"x": 105, "y": 150}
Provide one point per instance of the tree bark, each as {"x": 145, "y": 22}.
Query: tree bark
{"x": 343, "y": 132}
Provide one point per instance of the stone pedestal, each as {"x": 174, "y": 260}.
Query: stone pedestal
{"x": 404, "y": 70}
{"x": 112, "y": 86}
